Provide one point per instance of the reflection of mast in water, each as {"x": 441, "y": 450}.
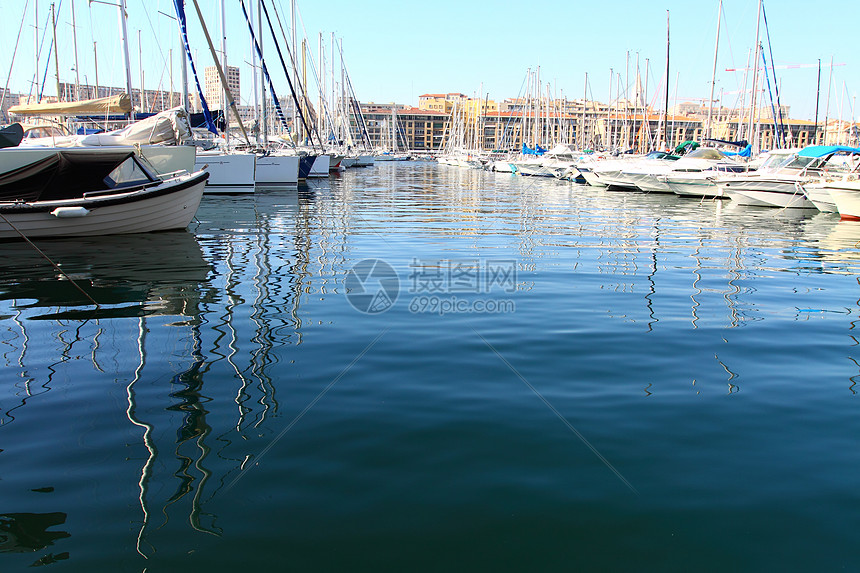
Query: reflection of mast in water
{"x": 194, "y": 429}
{"x": 261, "y": 355}
{"x": 652, "y": 271}
{"x": 131, "y": 414}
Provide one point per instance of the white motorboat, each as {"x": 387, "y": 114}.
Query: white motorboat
{"x": 614, "y": 172}
{"x": 843, "y": 195}
{"x": 81, "y": 192}
{"x": 693, "y": 175}
{"x": 779, "y": 181}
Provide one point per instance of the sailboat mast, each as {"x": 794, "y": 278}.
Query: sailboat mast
{"x": 714, "y": 73}
{"x": 140, "y": 67}
{"x": 755, "y": 78}
{"x": 827, "y": 106}
{"x": 75, "y": 42}
{"x": 56, "y": 50}
{"x": 666, "y": 102}
{"x": 581, "y": 138}
{"x": 296, "y": 126}
{"x": 124, "y": 31}
{"x": 226, "y": 71}
{"x": 265, "y": 112}
{"x": 36, "y": 47}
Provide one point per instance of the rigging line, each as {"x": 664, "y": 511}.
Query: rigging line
{"x": 265, "y": 69}
{"x": 782, "y": 128}
{"x": 220, "y": 70}
{"x": 14, "y": 52}
{"x": 161, "y": 52}
{"x": 286, "y": 72}
{"x": 55, "y": 265}
{"x": 313, "y": 62}
{"x": 38, "y": 54}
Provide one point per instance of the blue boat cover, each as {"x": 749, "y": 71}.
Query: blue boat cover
{"x": 825, "y": 150}
{"x": 538, "y": 150}
{"x": 745, "y": 152}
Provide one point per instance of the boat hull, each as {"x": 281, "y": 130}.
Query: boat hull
{"x": 819, "y": 194}
{"x": 766, "y": 192}
{"x": 276, "y": 170}
{"x": 170, "y": 205}
{"x": 228, "y": 173}
{"x": 321, "y": 166}
{"x": 846, "y": 197}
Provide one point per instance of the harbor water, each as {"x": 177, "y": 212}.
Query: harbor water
{"x": 415, "y": 367}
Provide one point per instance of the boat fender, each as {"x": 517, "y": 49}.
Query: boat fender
{"x": 62, "y": 212}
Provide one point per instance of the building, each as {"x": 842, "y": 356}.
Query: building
{"x": 212, "y": 88}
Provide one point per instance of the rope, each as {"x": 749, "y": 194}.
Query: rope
{"x": 55, "y": 265}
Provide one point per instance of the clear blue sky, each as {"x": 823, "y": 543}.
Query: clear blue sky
{"x": 396, "y": 51}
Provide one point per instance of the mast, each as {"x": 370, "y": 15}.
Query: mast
{"x": 581, "y": 138}
{"x": 714, "y": 73}
{"x": 75, "y": 42}
{"x": 227, "y": 72}
{"x": 296, "y": 111}
{"x": 265, "y": 113}
{"x": 827, "y": 107}
{"x": 607, "y": 131}
{"x": 140, "y": 66}
{"x": 36, "y": 47}
{"x": 186, "y": 105}
{"x": 256, "y": 130}
{"x": 56, "y": 50}
{"x": 126, "y": 59}
{"x": 755, "y": 77}
{"x": 817, "y": 97}
{"x": 96, "y": 61}
{"x": 322, "y": 86}
{"x": 666, "y": 104}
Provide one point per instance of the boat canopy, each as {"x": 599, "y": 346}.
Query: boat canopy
{"x": 538, "y": 150}
{"x": 66, "y": 174}
{"x": 686, "y": 147}
{"x": 169, "y": 127}
{"x": 706, "y": 153}
{"x": 819, "y": 151}
{"x": 101, "y": 106}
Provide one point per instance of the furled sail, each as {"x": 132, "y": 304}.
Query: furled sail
{"x": 118, "y": 104}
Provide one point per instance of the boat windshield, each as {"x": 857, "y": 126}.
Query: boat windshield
{"x": 800, "y": 162}
{"x": 706, "y": 153}
{"x": 775, "y": 161}
{"x": 128, "y": 173}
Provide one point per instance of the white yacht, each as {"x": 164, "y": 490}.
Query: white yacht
{"x": 779, "y": 181}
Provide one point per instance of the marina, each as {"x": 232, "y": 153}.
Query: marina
{"x": 306, "y": 307}
{"x": 627, "y": 378}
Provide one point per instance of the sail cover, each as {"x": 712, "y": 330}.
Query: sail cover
{"x": 118, "y": 104}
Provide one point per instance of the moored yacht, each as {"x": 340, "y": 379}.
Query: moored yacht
{"x": 779, "y": 181}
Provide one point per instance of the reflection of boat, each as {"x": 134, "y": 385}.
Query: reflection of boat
{"x": 28, "y": 532}
{"x": 155, "y": 273}
{"x": 77, "y": 192}
{"x": 841, "y": 248}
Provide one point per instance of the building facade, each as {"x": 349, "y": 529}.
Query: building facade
{"x": 213, "y": 91}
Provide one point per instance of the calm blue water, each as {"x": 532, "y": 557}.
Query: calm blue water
{"x": 413, "y": 367}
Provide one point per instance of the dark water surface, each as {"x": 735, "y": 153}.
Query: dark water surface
{"x": 414, "y": 367}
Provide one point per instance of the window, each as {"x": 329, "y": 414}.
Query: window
{"x": 127, "y": 174}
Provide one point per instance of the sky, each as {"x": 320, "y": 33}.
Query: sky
{"x": 396, "y": 51}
